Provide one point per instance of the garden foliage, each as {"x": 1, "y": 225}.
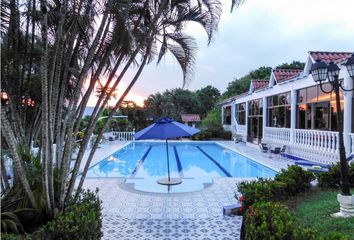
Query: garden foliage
{"x": 287, "y": 183}
{"x": 273, "y": 221}
{"x": 331, "y": 179}
{"x": 81, "y": 220}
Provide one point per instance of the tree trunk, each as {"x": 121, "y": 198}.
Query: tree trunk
{"x": 46, "y": 143}
{"x": 88, "y": 162}
{"x": 12, "y": 143}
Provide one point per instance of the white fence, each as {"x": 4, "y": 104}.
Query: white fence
{"x": 241, "y": 130}
{"x": 352, "y": 140}
{"x": 319, "y": 140}
{"x": 277, "y": 135}
{"x": 124, "y": 136}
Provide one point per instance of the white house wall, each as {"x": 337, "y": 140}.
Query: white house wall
{"x": 303, "y": 81}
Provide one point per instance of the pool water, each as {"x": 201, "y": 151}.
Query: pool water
{"x": 197, "y": 164}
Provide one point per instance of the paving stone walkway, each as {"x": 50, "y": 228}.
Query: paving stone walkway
{"x": 129, "y": 214}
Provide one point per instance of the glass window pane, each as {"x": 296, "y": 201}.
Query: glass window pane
{"x": 275, "y": 100}
{"x": 287, "y": 116}
{"x": 312, "y": 94}
{"x": 301, "y": 113}
{"x": 282, "y": 99}
{"x": 322, "y": 96}
{"x": 301, "y": 96}
{"x": 288, "y": 98}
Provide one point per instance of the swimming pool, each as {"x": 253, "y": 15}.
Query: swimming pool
{"x": 196, "y": 163}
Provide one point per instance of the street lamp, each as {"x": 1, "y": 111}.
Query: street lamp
{"x": 321, "y": 72}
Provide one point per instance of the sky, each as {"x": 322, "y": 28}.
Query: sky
{"x": 258, "y": 33}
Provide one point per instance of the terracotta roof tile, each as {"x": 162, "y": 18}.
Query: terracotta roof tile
{"x": 282, "y": 75}
{"x": 241, "y": 95}
{"x": 259, "y": 84}
{"x": 190, "y": 118}
{"x": 328, "y": 57}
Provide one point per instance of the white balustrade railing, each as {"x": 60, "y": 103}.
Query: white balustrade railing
{"x": 241, "y": 130}
{"x": 352, "y": 141}
{"x": 319, "y": 140}
{"x": 124, "y": 136}
{"x": 277, "y": 135}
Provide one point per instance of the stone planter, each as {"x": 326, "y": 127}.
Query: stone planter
{"x": 346, "y": 206}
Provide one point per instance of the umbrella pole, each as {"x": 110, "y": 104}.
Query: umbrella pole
{"x": 168, "y": 161}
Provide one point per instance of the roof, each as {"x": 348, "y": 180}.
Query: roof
{"x": 241, "y": 95}
{"x": 285, "y": 74}
{"x": 190, "y": 118}
{"x": 328, "y": 57}
{"x": 259, "y": 84}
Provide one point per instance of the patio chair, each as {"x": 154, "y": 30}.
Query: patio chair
{"x": 264, "y": 147}
{"x": 275, "y": 151}
{"x": 283, "y": 151}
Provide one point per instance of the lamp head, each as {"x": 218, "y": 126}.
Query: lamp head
{"x": 319, "y": 71}
{"x": 350, "y": 65}
{"x": 333, "y": 71}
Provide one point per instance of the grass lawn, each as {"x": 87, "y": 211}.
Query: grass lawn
{"x": 314, "y": 209}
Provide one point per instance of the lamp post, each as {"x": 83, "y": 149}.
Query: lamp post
{"x": 321, "y": 72}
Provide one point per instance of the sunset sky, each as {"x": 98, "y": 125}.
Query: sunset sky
{"x": 258, "y": 33}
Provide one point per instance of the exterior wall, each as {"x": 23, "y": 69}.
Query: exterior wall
{"x": 320, "y": 146}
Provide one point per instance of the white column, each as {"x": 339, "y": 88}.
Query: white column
{"x": 265, "y": 115}
{"x": 222, "y": 115}
{"x": 347, "y": 114}
{"x": 247, "y": 106}
{"x": 233, "y": 119}
{"x": 293, "y": 100}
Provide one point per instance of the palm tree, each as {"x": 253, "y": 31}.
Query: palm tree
{"x": 67, "y": 41}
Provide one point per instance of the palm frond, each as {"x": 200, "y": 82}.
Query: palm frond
{"x": 183, "y": 48}
{"x": 236, "y": 4}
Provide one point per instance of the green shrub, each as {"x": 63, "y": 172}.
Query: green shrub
{"x": 203, "y": 135}
{"x": 334, "y": 236}
{"x": 289, "y": 182}
{"x": 82, "y": 219}
{"x": 226, "y": 135}
{"x": 305, "y": 234}
{"x": 255, "y": 191}
{"x": 331, "y": 179}
{"x": 296, "y": 180}
{"x": 10, "y": 236}
{"x": 268, "y": 220}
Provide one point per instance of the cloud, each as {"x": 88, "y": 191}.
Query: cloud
{"x": 258, "y": 33}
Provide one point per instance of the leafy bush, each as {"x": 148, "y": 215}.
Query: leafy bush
{"x": 268, "y": 220}
{"x": 305, "y": 234}
{"x": 10, "y": 236}
{"x": 331, "y": 179}
{"x": 289, "y": 182}
{"x": 82, "y": 219}
{"x": 334, "y": 236}
{"x": 255, "y": 191}
{"x": 295, "y": 179}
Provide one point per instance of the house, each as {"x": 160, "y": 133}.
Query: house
{"x": 190, "y": 119}
{"x": 290, "y": 109}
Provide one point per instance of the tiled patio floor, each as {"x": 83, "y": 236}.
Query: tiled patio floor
{"x": 129, "y": 214}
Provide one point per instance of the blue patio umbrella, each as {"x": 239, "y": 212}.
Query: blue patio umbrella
{"x": 166, "y": 128}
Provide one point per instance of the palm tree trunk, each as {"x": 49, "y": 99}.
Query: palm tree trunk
{"x": 72, "y": 110}
{"x": 46, "y": 141}
{"x": 99, "y": 137}
{"x": 5, "y": 181}
{"x": 9, "y": 137}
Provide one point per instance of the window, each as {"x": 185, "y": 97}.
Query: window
{"x": 255, "y": 107}
{"x": 241, "y": 113}
{"x": 279, "y": 113}
{"x": 316, "y": 109}
{"x": 227, "y": 115}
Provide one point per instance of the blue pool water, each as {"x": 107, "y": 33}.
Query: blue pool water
{"x": 141, "y": 163}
